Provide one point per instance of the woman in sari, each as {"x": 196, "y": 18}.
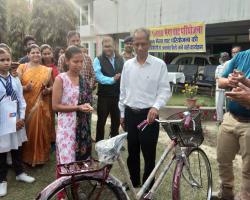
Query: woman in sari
{"x": 37, "y": 85}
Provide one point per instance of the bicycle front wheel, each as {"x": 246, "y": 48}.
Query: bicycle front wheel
{"x": 194, "y": 180}
{"x": 85, "y": 188}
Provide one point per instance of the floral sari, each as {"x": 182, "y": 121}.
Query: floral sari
{"x": 39, "y": 124}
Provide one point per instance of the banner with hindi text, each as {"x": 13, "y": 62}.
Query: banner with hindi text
{"x": 181, "y": 38}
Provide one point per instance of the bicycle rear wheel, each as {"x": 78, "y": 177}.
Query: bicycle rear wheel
{"x": 88, "y": 188}
{"x": 196, "y": 185}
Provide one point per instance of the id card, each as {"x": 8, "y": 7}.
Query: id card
{"x": 8, "y": 116}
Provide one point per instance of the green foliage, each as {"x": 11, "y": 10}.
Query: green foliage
{"x": 51, "y": 20}
{"x": 17, "y": 24}
{"x": 3, "y": 18}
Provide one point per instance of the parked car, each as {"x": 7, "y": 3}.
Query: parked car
{"x": 195, "y": 59}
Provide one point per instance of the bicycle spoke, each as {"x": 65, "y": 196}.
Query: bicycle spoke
{"x": 196, "y": 180}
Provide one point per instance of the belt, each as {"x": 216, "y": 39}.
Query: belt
{"x": 137, "y": 110}
{"x": 241, "y": 119}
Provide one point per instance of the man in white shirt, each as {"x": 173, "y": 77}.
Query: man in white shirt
{"x": 144, "y": 89}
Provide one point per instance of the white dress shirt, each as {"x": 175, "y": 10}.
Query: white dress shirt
{"x": 17, "y": 87}
{"x": 144, "y": 86}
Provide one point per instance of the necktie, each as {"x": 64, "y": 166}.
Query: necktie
{"x": 9, "y": 89}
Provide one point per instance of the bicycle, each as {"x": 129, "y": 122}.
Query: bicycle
{"x": 91, "y": 179}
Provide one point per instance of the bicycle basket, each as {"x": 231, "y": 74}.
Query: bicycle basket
{"x": 186, "y": 137}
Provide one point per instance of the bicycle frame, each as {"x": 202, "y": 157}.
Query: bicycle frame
{"x": 158, "y": 181}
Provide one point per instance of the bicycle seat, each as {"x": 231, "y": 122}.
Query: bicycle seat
{"x": 108, "y": 150}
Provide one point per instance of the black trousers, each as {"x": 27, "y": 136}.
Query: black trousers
{"x": 145, "y": 140}
{"x": 16, "y": 164}
{"x": 106, "y": 106}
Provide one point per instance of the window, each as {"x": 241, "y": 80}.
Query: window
{"x": 121, "y": 46}
{"x": 200, "y": 61}
{"x": 84, "y": 15}
{"x": 184, "y": 61}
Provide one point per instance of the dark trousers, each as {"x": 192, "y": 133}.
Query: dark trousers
{"x": 145, "y": 140}
{"x": 106, "y": 106}
{"x": 16, "y": 164}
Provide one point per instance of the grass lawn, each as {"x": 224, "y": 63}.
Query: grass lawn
{"x": 46, "y": 174}
{"x": 180, "y": 100}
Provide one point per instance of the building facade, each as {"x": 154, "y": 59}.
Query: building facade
{"x": 227, "y": 21}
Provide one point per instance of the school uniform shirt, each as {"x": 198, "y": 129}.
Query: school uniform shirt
{"x": 144, "y": 86}
{"x": 13, "y": 140}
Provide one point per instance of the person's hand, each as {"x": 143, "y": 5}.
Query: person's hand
{"x": 235, "y": 78}
{"x": 117, "y": 76}
{"x": 85, "y": 108}
{"x": 28, "y": 87}
{"x": 240, "y": 94}
{"x": 152, "y": 114}
{"x": 19, "y": 124}
{"x": 122, "y": 122}
{"x": 46, "y": 91}
{"x": 232, "y": 81}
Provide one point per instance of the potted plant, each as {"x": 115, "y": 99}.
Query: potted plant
{"x": 190, "y": 91}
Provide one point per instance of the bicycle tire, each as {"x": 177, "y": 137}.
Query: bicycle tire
{"x": 111, "y": 191}
{"x": 182, "y": 188}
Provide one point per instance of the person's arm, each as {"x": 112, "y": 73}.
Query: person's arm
{"x": 57, "y": 98}
{"x": 93, "y": 78}
{"x": 225, "y": 81}
{"x": 122, "y": 92}
{"x": 122, "y": 96}
{"x": 164, "y": 91}
{"x": 240, "y": 94}
{"x": 48, "y": 88}
{"x": 99, "y": 75}
{"x": 163, "y": 94}
{"x": 21, "y": 100}
{"x": 61, "y": 63}
{"x": 246, "y": 82}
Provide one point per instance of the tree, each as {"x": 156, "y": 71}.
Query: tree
{"x": 18, "y": 19}
{"x": 51, "y": 20}
{"x": 3, "y": 28}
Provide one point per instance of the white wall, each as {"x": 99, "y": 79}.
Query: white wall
{"x": 126, "y": 15}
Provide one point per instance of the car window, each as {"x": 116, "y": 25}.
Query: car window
{"x": 184, "y": 61}
{"x": 200, "y": 61}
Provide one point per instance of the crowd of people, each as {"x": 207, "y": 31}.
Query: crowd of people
{"x": 46, "y": 85}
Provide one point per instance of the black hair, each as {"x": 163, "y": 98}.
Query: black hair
{"x": 72, "y": 33}
{"x": 28, "y": 38}
{"x": 33, "y": 46}
{"x": 107, "y": 38}
{"x": 71, "y": 51}
{"x": 6, "y": 47}
{"x": 56, "y": 54}
{"x": 46, "y": 46}
{"x": 128, "y": 39}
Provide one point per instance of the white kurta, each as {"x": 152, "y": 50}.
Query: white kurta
{"x": 14, "y": 140}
